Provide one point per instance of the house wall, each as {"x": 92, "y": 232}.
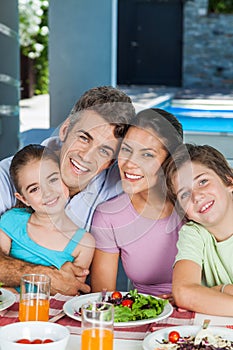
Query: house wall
{"x": 208, "y": 47}
{"x": 81, "y": 53}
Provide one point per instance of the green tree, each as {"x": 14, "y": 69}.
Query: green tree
{"x": 221, "y": 6}
{"x": 33, "y": 33}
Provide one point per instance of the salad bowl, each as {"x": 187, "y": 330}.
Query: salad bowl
{"x": 72, "y": 307}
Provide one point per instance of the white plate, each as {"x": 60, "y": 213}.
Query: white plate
{"x": 8, "y": 298}
{"x": 150, "y": 343}
{"x": 119, "y": 344}
{"x": 75, "y": 303}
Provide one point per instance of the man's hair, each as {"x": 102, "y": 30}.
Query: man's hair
{"x": 112, "y": 104}
{"x": 100, "y": 95}
{"x": 206, "y": 155}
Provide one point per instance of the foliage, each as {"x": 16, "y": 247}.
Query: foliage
{"x": 33, "y": 33}
{"x": 221, "y": 6}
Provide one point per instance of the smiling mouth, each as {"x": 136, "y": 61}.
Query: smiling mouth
{"x": 52, "y": 202}
{"x": 132, "y": 176}
{"x": 77, "y": 167}
{"x": 206, "y": 207}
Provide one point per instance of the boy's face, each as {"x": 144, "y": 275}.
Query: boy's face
{"x": 87, "y": 149}
{"x": 202, "y": 194}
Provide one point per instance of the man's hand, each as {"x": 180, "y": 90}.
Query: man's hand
{"x": 69, "y": 280}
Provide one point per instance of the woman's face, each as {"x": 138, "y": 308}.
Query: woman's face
{"x": 141, "y": 154}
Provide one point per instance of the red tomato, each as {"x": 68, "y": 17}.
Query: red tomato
{"x": 23, "y": 341}
{"x": 48, "y": 341}
{"x": 116, "y": 295}
{"x": 36, "y": 341}
{"x": 127, "y": 303}
{"x": 173, "y": 337}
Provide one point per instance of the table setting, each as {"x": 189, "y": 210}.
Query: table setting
{"x": 131, "y": 335}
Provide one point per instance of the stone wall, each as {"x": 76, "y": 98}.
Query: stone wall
{"x": 208, "y": 47}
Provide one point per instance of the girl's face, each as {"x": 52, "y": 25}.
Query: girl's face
{"x": 202, "y": 194}
{"x": 41, "y": 186}
{"x": 140, "y": 157}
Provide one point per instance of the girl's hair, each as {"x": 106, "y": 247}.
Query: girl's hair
{"x": 205, "y": 155}
{"x": 26, "y": 155}
{"x": 165, "y": 125}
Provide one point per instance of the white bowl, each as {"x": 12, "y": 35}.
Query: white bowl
{"x": 34, "y": 330}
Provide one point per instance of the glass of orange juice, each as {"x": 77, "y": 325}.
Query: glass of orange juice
{"x": 97, "y": 326}
{"x": 34, "y": 297}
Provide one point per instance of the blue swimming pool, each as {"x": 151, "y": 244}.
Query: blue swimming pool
{"x": 203, "y": 120}
{"x": 205, "y": 125}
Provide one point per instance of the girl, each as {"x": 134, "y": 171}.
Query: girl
{"x": 39, "y": 231}
{"x": 201, "y": 181}
{"x": 140, "y": 225}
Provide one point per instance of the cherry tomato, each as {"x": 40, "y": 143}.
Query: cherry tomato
{"x": 47, "y": 341}
{"x": 116, "y": 295}
{"x": 173, "y": 337}
{"x": 36, "y": 341}
{"x": 127, "y": 303}
{"x": 23, "y": 341}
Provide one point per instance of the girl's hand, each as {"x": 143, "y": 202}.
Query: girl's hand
{"x": 171, "y": 301}
{"x": 169, "y": 297}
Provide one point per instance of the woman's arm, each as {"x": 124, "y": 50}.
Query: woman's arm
{"x": 191, "y": 295}
{"x": 104, "y": 271}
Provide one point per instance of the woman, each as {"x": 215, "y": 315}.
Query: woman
{"x": 140, "y": 226}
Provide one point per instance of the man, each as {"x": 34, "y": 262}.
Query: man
{"x": 87, "y": 145}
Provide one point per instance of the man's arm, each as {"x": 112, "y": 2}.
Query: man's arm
{"x": 65, "y": 281}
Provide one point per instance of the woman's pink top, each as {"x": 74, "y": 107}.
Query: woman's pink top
{"x": 147, "y": 247}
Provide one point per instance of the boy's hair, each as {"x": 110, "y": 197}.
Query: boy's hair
{"x": 112, "y": 104}
{"x": 205, "y": 155}
{"x": 24, "y": 156}
{"x": 165, "y": 125}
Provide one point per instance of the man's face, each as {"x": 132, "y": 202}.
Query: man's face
{"x": 87, "y": 149}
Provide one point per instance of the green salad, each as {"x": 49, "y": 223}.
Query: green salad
{"x": 134, "y": 306}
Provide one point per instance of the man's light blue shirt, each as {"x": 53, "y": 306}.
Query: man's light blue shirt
{"x": 104, "y": 186}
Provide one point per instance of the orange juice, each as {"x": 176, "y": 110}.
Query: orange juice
{"x": 97, "y": 339}
{"x": 34, "y": 310}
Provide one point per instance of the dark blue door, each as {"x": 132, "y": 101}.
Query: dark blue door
{"x": 150, "y": 42}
